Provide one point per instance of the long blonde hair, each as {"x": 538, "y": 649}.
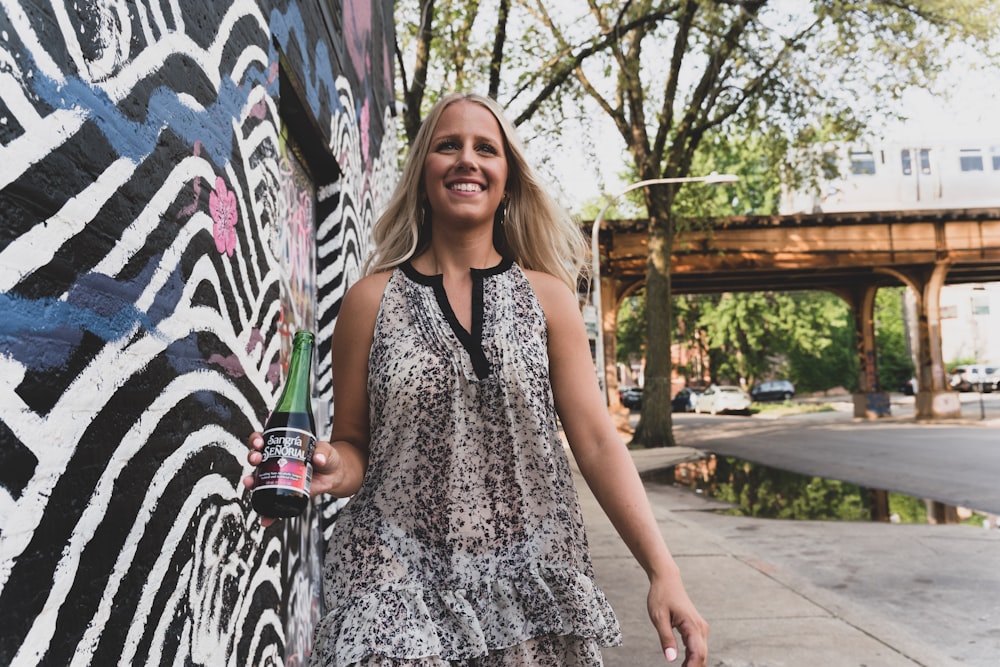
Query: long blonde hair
{"x": 536, "y": 232}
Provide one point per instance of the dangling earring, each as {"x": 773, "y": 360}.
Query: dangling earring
{"x": 504, "y": 205}
{"x": 422, "y": 220}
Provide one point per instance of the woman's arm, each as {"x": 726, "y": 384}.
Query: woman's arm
{"x": 339, "y": 465}
{"x": 607, "y": 467}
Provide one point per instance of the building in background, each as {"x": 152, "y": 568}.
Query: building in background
{"x": 970, "y": 322}
{"x": 182, "y": 186}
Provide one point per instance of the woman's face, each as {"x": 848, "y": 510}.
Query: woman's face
{"x": 465, "y": 171}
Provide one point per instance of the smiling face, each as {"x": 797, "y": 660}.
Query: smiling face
{"x": 465, "y": 171}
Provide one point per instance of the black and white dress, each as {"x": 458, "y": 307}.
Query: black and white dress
{"x": 465, "y": 545}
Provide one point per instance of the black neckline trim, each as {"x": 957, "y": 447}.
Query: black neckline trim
{"x": 430, "y": 279}
{"x": 471, "y": 341}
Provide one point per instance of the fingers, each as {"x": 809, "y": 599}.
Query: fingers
{"x": 255, "y": 443}
{"x": 322, "y": 454}
{"x": 694, "y": 634}
{"x": 670, "y": 609}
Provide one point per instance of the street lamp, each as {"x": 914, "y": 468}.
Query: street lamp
{"x": 595, "y": 256}
{"x": 975, "y": 345}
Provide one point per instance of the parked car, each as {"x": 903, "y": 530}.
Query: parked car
{"x": 684, "y": 400}
{"x": 909, "y": 387}
{"x": 773, "y": 390}
{"x": 631, "y": 397}
{"x": 975, "y": 377}
{"x": 724, "y": 398}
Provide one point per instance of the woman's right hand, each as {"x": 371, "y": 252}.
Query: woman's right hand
{"x": 327, "y": 477}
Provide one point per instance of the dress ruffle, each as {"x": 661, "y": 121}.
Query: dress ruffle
{"x": 411, "y": 622}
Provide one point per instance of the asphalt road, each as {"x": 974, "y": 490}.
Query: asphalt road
{"x": 955, "y": 462}
{"x": 839, "y": 593}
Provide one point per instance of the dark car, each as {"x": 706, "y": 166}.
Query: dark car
{"x": 773, "y": 390}
{"x": 631, "y": 397}
{"x": 684, "y": 400}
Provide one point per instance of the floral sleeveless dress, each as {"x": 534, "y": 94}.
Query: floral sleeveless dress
{"x": 465, "y": 544}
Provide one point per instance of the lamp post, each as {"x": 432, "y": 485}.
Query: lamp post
{"x": 975, "y": 345}
{"x": 595, "y": 257}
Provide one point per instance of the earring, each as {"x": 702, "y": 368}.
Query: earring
{"x": 422, "y": 219}
{"x": 504, "y": 205}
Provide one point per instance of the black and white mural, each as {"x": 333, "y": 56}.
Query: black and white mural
{"x": 183, "y": 184}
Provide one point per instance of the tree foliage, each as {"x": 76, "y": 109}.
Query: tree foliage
{"x": 895, "y": 359}
{"x": 631, "y": 334}
{"x": 669, "y": 74}
{"x": 769, "y": 493}
{"x": 805, "y": 337}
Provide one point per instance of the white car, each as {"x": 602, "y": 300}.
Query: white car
{"x": 723, "y": 398}
{"x": 976, "y": 377}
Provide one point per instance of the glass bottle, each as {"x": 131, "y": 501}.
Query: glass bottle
{"x": 282, "y": 479}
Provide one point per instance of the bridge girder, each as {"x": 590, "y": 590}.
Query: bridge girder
{"x": 818, "y": 251}
{"x": 851, "y": 254}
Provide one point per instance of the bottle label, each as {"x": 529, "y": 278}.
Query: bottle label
{"x": 287, "y": 460}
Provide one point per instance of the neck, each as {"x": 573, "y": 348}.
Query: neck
{"x": 447, "y": 256}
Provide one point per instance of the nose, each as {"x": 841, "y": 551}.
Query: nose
{"x": 466, "y": 159}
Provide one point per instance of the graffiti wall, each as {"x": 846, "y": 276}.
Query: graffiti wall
{"x": 182, "y": 185}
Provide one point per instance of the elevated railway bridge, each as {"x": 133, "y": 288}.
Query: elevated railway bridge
{"x": 849, "y": 254}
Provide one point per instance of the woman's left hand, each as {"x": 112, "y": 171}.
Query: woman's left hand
{"x": 669, "y": 608}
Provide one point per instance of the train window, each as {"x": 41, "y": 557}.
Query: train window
{"x": 906, "y": 161}
{"x": 995, "y": 154}
{"x": 862, "y": 163}
{"x": 970, "y": 159}
{"x": 925, "y": 160}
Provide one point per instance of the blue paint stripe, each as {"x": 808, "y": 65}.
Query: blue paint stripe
{"x": 136, "y": 139}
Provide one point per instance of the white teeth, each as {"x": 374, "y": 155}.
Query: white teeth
{"x": 466, "y": 187}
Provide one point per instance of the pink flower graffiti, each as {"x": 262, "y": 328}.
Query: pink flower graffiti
{"x": 222, "y": 205}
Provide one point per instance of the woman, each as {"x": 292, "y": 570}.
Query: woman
{"x": 463, "y": 542}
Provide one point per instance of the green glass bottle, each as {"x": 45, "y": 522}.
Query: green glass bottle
{"x": 281, "y": 485}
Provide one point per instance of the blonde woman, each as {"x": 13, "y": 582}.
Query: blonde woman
{"x": 463, "y": 541}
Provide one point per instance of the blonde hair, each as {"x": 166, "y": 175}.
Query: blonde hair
{"x": 536, "y": 232}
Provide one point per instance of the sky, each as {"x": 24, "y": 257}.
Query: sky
{"x": 964, "y": 108}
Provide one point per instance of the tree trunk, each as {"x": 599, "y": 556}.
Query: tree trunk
{"x": 655, "y": 428}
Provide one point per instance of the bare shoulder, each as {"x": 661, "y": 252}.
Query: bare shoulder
{"x": 555, "y": 298}
{"x": 361, "y": 303}
{"x": 366, "y": 293}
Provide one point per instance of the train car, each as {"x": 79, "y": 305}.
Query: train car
{"x": 902, "y": 176}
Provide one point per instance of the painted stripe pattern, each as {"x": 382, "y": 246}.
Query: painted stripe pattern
{"x": 141, "y": 328}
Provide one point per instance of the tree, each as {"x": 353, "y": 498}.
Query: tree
{"x": 631, "y": 334}
{"x": 666, "y": 74}
{"x": 895, "y": 363}
{"x": 806, "y": 337}
{"x": 444, "y": 52}
{"x": 748, "y": 329}
{"x": 678, "y": 70}
{"x": 821, "y": 346}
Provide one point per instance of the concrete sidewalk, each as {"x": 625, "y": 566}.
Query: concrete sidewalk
{"x": 814, "y": 593}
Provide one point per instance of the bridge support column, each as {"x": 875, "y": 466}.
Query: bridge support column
{"x": 934, "y": 399}
{"x": 870, "y": 402}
